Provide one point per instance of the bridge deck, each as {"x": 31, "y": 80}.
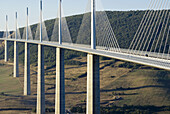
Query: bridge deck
{"x": 149, "y": 61}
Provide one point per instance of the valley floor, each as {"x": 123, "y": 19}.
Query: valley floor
{"x": 119, "y": 86}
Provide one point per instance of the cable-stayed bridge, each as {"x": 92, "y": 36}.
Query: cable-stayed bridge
{"x": 150, "y": 46}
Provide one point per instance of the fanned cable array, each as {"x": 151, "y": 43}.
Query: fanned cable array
{"x": 66, "y": 37}
{"x": 15, "y": 33}
{"x": 105, "y": 37}
{"x": 44, "y": 32}
{"x": 84, "y": 35}
{"x": 54, "y": 37}
{"x": 152, "y": 36}
{"x": 18, "y": 34}
{"x": 30, "y": 37}
{"x": 6, "y": 34}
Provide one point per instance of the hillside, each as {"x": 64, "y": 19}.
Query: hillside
{"x": 123, "y": 84}
{"x": 124, "y": 24}
{"x": 136, "y": 85}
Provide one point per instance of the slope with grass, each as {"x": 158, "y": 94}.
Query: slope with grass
{"x": 119, "y": 86}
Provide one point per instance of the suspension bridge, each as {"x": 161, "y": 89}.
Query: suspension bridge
{"x": 150, "y": 46}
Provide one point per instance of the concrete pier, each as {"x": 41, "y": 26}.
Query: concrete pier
{"x": 16, "y": 63}
{"x": 27, "y": 87}
{"x": 93, "y": 85}
{"x": 60, "y": 82}
{"x": 6, "y": 51}
{"x": 40, "y": 81}
{"x": 6, "y": 42}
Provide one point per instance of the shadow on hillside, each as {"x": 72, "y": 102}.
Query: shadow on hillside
{"x": 9, "y": 95}
{"x": 83, "y": 92}
{"x": 7, "y": 109}
{"x": 133, "y": 88}
{"x": 110, "y": 63}
{"x": 112, "y": 90}
{"x": 85, "y": 74}
{"x": 82, "y": 75}
{"x": 84, "y": 65}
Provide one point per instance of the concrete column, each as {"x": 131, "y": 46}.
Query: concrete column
{"x": 6, "y": 51}
{"x": 40, "y": 81}
{"x": 6, "y": 42}
{"x": 16, "y": 63}
{"x": 27, "y": 88}
{"x": 60, "y": 82}
{"x": 93, "y": 85}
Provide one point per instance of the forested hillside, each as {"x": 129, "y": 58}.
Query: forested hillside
{"x": 124, "y": 24}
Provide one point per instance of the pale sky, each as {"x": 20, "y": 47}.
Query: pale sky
{"x": 71, "y": 7}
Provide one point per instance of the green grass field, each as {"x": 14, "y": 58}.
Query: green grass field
{"x": 8, "y": 84}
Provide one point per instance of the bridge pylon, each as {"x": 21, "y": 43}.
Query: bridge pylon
{"x": 40, "y": 79}
{"x": 6, "y": 51}
{"x": 93, "y": 74}
{"x": 60, "y": 75}
{"x": 16, "y": 63}
{"x": 6, "y": 42}
{"x": 27, "y": 88}
{"x": 93, "y": 84}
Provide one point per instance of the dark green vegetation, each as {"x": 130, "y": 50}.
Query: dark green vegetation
{"x": 124, "y": 25}
{"x": 125, "y": 109}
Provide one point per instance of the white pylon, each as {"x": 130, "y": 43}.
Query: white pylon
{"x": 60, "y": 26}
{"x": 40, "y": 20}
{"x": 93, "y": 25}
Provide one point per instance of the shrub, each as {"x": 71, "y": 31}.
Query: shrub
{"x": 49, "y": 110}
{"x": 77, "y": 109}
{"x": 2, "y": 93}
{"x": 34, "y": 110}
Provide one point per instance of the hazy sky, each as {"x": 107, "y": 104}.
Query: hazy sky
{"x": 71, "y": 7}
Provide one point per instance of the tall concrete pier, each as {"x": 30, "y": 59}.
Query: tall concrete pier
{"x": 27, "y": 88}
{"x": 93, "y": 84}
{"x": 6, "y": 51}
{"x": 60, "y": 82}
{"x": 93, "y": 74}
{"x": 6, "y": 42}
{"x": 40, "y": 81}
{"x": 60, "y": 78}
{"x": 16, "y": 63}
